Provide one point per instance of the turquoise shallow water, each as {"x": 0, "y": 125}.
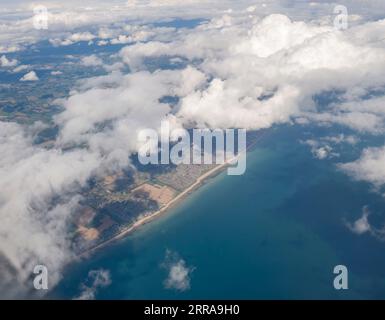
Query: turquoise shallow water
{"x": 275, "y": 232}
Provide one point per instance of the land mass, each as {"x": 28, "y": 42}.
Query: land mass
{"x": 167, "y": 196}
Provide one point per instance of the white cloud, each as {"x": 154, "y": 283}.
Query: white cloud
{"x": 34, "y": 229}
{"x": 30, "y": 76}
{"x": 342, "y": 138}
{"x": 122, "y": 39}
{"x": 97, "y": 279}
{"x": 115, "y": 67}
{"x": 84, "y": 36}
{"x": 130, "y": 102}
{"x": 92, "y": 61}
{"x": 20, "y": 68}
{"x": 288, "y": 61}
{"x": 369, "y": 167}
{"x": 179, "y": 274}
{"x": 6, "y": 63}
{"x": 102, "y": 43}
{"x": 321, "y": 151}
{"x": 73, "y": 38}
{"x": 16, "y": 29}
{"x": 70, "y": 22}
{"x": 361, "y": 225}
{"x": 9, "y": 49}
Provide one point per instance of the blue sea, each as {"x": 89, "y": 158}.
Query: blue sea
{"x": 275, "y": 232}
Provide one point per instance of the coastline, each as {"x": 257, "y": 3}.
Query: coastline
{"x": 175, "y": 201}
{"x": 143, "y": 221}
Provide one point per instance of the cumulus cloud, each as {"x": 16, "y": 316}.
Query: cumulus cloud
{"x": 323, "y": 147}
{"x": 92, "y": 61}
{"x": 369, "y": 167}
{"x": 320, "y": 150}
{"x": 97, "y": 279}
{"x": 130, "y": 102}
{"x": 73, "y": 38}
{"x": 341, "y": 138}
{"x": 9, "y": 49}
{"x": 72, "y": 17}
{"x": 179, "y": 274}
{"x": 20, "y": 68}
{"x": 322, "y": 153}
{"x": 70, "y": 22}
{"x": 140, "y": 35}
{"x": 361, "y": 225}
{"x": 33, "y": 228}
{"x": 30, "y": 76}
{"x": 102, "y": 43}
{"x": 6, "y": 63}
{"x": 266, "y": 71}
